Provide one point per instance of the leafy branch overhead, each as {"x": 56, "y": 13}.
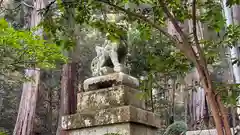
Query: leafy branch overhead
{"x": 87, "y": 10}
{"x": 22, "y": 49}
{"x": 154, "y": 14}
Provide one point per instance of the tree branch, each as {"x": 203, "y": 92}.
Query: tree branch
{"x": 202, "y": 59}
{"x": 1, "y": 2}
{"x": 173, "y": 20}
{"x": 25, "y": 4}
{"x": 47, "y": 8}
{"x": 194, "y": 22}
{"x": 4, "y": 9}
{"x": 141, "y": 18}
{"x": 186, "y": 46}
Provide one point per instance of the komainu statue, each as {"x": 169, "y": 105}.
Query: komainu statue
{"x": 110, "y": 58}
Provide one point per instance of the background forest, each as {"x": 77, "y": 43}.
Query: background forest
{"x": 184, "y": 52}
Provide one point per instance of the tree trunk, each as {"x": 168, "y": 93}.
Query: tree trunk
{"x": 186, "y": 102}
{"x": 68, "y": 93}
{"x": 194, "y": 52}
{"x": 26, "y": 113}
{"x": 49, "y": 110}
{"x": 24, "y": 123}
{"x": 173, "y": 100}
{"x": 68, "y": 90}
{"x": 224, "y": 115}
{"x": 217, "y": 108}
{"x": 236, "y": 19}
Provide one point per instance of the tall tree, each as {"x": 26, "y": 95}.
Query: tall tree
{"x": 68, "y": 81}
{"x": 27, "y": 107}
{"x": 233, "y": 18}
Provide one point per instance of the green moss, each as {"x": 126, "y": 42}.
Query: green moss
{"x": 177, "y": 128}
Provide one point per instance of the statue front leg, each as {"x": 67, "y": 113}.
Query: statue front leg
{"x": 114, "y": 58}
{"x": 102, "y": 61}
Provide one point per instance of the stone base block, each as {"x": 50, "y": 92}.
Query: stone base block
{"x": 110, "y": 80}
{"x": 109, "y": 98}
{"x": 124, "y": 114}
{"x": 117, "y": 129}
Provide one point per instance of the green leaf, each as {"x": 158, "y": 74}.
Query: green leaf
{"x": 230, "y": 3}
{"x": 23, "y": 48}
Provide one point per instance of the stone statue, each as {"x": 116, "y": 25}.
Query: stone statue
{"x": 110, "y": 58}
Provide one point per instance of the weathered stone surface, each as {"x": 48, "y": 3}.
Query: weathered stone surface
{"x": 110, "y": 104}
{"x": 205, "y": 132}
{"x": 109, "y": 70}
{"x": 109, "y": 97}
{"x": 110, "y": 80}
{"x": 106, "y": 70}
{"x": 121, "y": 129}
{"x": 138, "y": 129}
{"x": 124, "y": 114}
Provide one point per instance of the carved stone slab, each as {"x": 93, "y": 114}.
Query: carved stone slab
{"x": 124, "y": 114}
{"x": 108, "y": 98}
{"x": 110, "y": 80}
{"x": 116, "y": 129}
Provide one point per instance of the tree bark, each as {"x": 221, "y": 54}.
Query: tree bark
{"x": 24, "y": 123}
{"x": 173, "y": 100}
{"x": 186, "y": 102}
{"x": 49, "y": 110}
{"x": 224, "y": 114}
{"x": 68, "y": 88}
{"x": 68, "y": 97}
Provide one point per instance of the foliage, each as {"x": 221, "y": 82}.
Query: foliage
{"x": 177, "y": 128}
{"x": 22, "y": 49}
{"x": 155, "y": 55}
{"x": 3, "y": 133}
{"x": 228, "y": 92}
{"x": 47, "y": 112}
{"x": 232, "y": 2}
{"x": 10, "y": 92}
{"x": 212, "y": 16}
{"x": 146, "y": 22}
{"x": 30, "y": 49}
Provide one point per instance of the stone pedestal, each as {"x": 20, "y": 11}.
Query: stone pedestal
{"x": 111, "y": 109}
